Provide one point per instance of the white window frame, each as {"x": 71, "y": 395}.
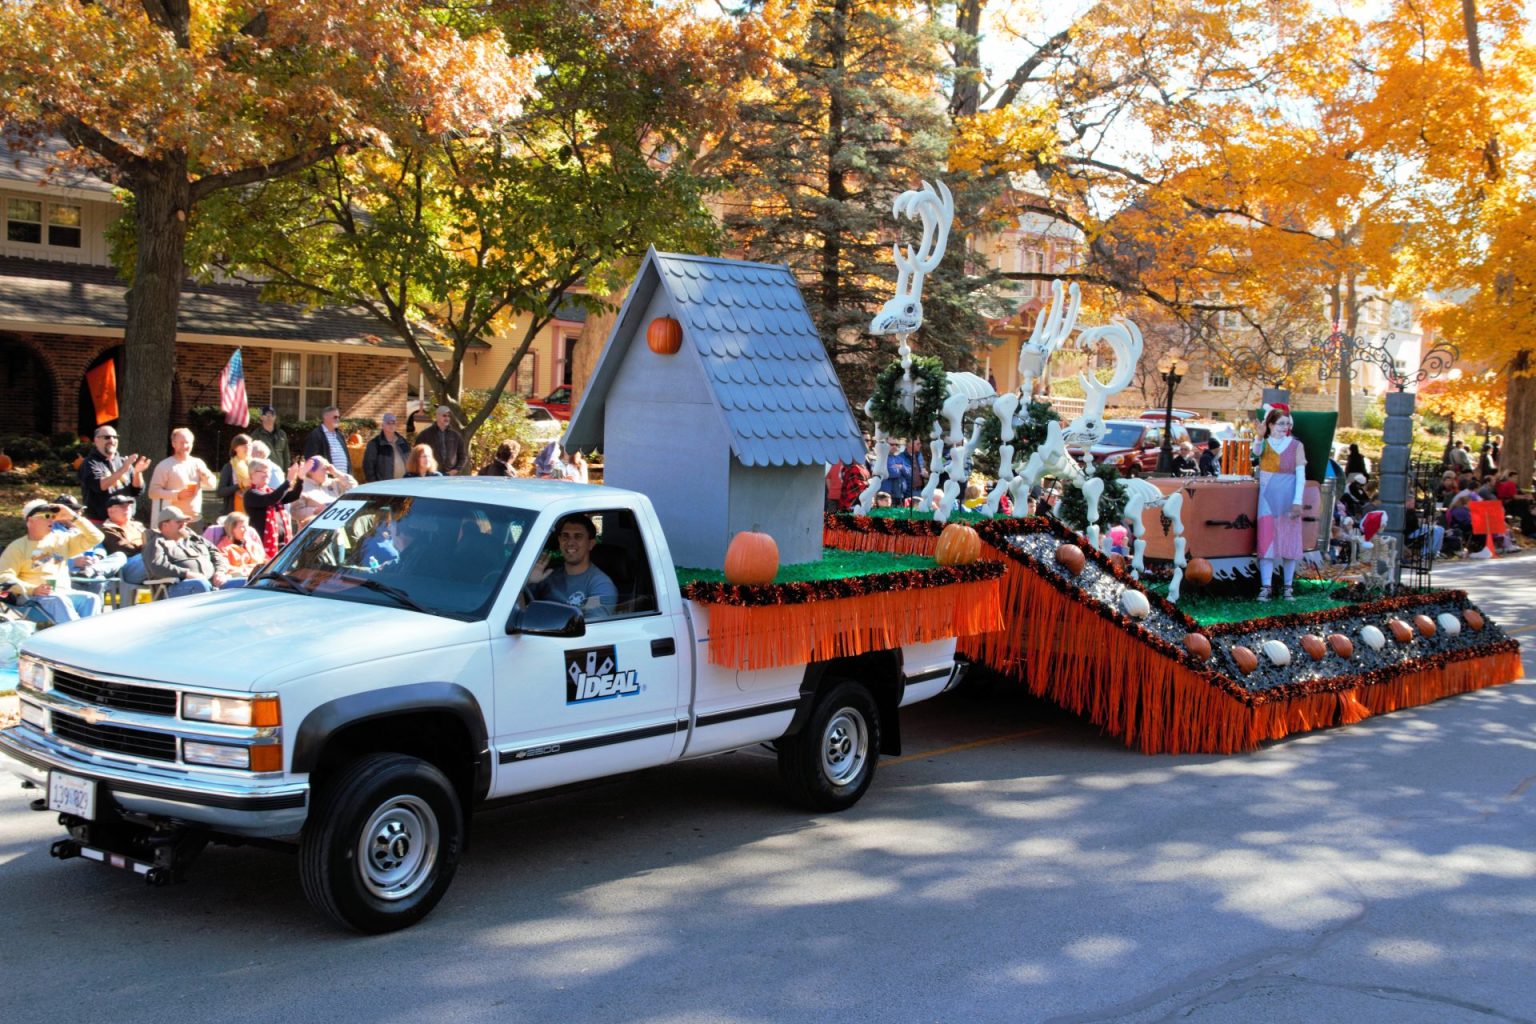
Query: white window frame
{"x": 1212, "y": 376}
{"x": 45, "y": 224}
{"x": 563, "y": 341}
{"x": 304, "y": 387}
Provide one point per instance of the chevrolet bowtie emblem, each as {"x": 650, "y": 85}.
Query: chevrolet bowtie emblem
{"x": 91, "y": 715}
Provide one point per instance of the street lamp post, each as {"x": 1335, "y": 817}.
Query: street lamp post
{"x": 1173, "y": 370}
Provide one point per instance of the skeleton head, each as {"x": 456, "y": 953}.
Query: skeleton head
{"x": 903, "y": 313}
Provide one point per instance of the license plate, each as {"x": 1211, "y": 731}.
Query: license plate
{"x": 72, "y": 795}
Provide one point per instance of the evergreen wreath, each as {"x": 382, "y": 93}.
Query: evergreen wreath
{"x": 885, "y": 404}
{"x": 1073, "y": 510}
{"x": 1029, "y": 428}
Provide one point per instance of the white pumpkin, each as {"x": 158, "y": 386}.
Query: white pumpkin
{"x": 1277, "y": 653}
{"x": 1374, "y": 638}
{"x": 1450, "y": 625}
{"x": 1135, "y": 604}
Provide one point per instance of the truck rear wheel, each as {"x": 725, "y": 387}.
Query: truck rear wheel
{"x": 829, "y": 764}
{"x": 382, "y": 843}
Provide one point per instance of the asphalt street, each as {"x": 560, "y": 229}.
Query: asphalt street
{"x": 1013, "y": 866}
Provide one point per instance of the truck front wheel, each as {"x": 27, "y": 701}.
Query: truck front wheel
{"x": 382, "y": 843}
{"x": 829, "y": 764}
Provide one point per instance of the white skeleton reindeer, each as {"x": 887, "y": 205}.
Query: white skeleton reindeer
{"x": 1051, "y": 458}
{"x": 965, "y": 393}
{"x": 1052, "y": 328}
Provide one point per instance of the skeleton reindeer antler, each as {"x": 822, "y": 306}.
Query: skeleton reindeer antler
{"x": 903, "y": 313}
{"x": 1052, "y": 328}
{"x": 1124, "y": 339}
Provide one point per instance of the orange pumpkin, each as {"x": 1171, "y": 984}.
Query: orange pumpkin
{"x": 354, "y": 440}
{"x": 1198, "y": 645}
{"x": 1198, "y": 572}
{"x": 1474, "y": 619}
{"x": 958, "y": 545}
{"x": 5, "y": 464}
{"x": 752, "y": 558}
{"x": 1342, "y": 645}
{"x": 1246, "y": 660}
{"x": 664, "y": 336}
{"x": 1314, "y": 646}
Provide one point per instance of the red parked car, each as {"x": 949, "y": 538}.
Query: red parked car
{"x": 1131, "y": 446}
{"x": 558, "y": 402}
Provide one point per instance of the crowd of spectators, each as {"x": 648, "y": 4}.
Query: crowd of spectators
{"x": 73, "y": 550}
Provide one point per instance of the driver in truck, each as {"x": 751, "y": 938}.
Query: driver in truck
{"x": 582, "y": 584}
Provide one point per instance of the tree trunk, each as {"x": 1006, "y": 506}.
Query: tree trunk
{"x": 966, "y": 100}
{"x": 837, "y": 185}
{"x": 161, "y": 202}
{"x": 1520, "y": 417}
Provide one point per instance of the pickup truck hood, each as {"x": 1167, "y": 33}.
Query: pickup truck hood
{"x": 244, "y": 639}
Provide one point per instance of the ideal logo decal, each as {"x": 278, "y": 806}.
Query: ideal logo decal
{"x": 592, "y": 673}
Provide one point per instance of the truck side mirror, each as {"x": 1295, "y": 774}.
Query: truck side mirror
{"x": 547, "y": 618}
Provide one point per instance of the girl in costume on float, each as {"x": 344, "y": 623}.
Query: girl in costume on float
{"x": 1282, "y": 469}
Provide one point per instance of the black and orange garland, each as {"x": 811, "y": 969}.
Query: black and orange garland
{"x": 1227, "y": 684}
{"x": 761, "y": 595}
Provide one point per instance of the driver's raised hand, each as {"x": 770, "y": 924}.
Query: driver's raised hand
{"x": 541, "y": 569}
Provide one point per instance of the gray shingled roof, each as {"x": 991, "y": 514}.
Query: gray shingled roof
{"x": 768, "y": 370}
{"x": 81, "y": 295}
{"x": 44, "y": 166}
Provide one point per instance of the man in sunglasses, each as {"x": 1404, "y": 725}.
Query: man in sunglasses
{"x": 105, "y": 474}
{"x": 34, "y": 569}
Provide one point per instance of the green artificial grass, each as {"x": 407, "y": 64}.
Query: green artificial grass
{"x": 835, "y": 564}
{"x": 1311, "y": 596}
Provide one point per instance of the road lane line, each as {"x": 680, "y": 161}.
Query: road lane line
{"x": 960, "y": 747}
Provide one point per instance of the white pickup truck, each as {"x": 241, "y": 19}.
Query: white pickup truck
{"x": 390, "y": 671}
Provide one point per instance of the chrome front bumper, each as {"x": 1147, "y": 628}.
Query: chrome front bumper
{"x": 237, "y": 806}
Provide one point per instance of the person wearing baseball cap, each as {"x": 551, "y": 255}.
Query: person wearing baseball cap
{"x": 174, "y": 551}
{"x": 274, "y": 437}
{"x": 34, "y": 568}
{"x": 446, "y": 442}
{"x": 384, "y": 458}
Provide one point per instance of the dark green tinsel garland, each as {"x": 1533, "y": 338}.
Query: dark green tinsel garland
{"x": 885, "y": 404}
{"x": 1073, "y": 510}
{"x": 1029, "y": 427}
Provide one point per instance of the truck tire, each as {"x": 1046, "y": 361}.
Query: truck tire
{"x": 382, "y": 843}
{"x": 829, "y": 764}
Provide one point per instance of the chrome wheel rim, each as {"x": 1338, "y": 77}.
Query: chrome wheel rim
{"x": 398, "y": 848}
{"x": 844, "y": 747}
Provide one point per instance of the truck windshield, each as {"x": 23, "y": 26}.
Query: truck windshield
{"x": 425, "y": 554}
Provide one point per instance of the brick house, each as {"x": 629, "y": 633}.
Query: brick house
{"x": 63, "y": 310}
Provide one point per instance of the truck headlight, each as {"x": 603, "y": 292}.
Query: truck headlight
{"x": 34, "y": 675}
{"x": 34, "y": 716}
{"x": 265, "y": 758}
{"x": 219, "y": 755}
{"x": 258, "y": 711}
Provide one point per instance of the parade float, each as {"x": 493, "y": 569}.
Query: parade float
{"x": 756, "y": 414}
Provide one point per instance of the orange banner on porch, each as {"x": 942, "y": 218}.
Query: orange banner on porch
{"x": 102, "y": 383}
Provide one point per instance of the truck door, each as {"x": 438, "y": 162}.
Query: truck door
{"x": 610, "y": 701}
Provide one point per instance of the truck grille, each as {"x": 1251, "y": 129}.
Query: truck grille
{"x": 126, "y": 696}
{"x": 154, "y": 746}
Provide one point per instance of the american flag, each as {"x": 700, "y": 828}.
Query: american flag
{"x": 237, "y": 411}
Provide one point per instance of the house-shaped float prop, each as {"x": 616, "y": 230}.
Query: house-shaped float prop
{"x": 731, "y": 430}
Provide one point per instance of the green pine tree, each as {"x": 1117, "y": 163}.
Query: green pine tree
{"x": 854, "y": 117}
